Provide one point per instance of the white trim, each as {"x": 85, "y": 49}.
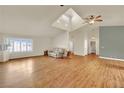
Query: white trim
{"x": 89, "y": 46}
{"x": 111, "y": 58}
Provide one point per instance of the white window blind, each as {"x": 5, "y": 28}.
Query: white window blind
{"x": 19, "y": 45}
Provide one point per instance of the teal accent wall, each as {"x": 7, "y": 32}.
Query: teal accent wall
{"x": 111, "y": 41}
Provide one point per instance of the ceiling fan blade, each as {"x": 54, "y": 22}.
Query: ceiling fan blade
{"x": 98, "y": 16}
{"x": 99, "y": 20}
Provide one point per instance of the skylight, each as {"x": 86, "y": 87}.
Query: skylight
{"x": 69, "y": 21}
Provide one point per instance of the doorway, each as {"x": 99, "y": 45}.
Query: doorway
{"x": 92, "y": 47}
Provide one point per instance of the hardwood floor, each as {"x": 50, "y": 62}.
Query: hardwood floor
{"x": 88, "y": 71}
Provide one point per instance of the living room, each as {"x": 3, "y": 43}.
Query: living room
{"x": 61, "y": 46}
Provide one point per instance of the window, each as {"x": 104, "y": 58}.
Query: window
{"x": 19, "y": 45}
{"x": 23, "y": 46}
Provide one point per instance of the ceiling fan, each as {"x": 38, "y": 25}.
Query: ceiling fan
{"x": 92, "y": 19}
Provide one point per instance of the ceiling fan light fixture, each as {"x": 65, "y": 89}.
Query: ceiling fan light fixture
{"x": 92, "y": 19}
{"x": 92, "y": 22}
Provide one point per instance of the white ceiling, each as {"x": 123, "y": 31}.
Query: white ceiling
{"x": 36, "y": 20}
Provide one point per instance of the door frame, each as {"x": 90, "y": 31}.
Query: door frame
{"x": 89, "y": 46}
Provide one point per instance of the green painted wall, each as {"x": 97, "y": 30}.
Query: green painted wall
{"x": 111, "y": 40}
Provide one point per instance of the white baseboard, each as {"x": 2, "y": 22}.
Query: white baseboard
{"x": 111, "y": 58}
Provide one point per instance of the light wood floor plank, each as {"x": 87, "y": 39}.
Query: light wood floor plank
{"x": 81, "y": 72}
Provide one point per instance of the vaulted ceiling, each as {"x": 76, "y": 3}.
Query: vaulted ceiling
{"x": 37, "y": 20}
{"x": 69, "y": 21}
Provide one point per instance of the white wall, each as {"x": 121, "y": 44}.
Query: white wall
{"x": 61, "y": 40}
{"x": 1, "y": 38}
{"x": 39, "y": 45}
{"x": 3, "y": 53}
{"x": 78, "y": 37}
{"x": 42, "y": 43}
{"x": 84, "y": 34}
{"x": 93, "y": 35}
